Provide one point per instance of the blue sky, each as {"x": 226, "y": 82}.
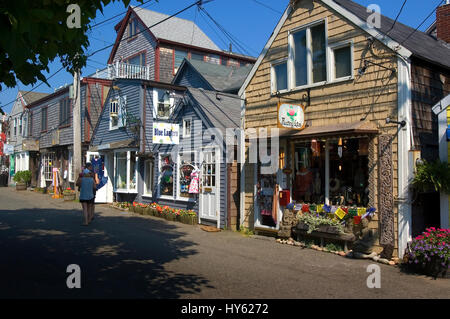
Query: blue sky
{"x": 247, "y": 20}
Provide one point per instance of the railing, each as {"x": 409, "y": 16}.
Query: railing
{"x": 121, "y": 70}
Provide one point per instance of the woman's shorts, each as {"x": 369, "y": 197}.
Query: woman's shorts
{"x": 89, "y": 201}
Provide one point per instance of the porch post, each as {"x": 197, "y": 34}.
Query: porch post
{"x": 327, "y": 172}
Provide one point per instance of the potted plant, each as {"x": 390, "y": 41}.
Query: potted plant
{"x": 432, "y": 177}
{"x": 22, "y": 179}
{"x": 69, "y": 194}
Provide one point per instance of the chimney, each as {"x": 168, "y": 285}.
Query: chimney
{"x": 443, "y": 22}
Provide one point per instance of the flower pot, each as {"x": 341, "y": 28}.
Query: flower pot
{"x": 21, "y": 187}
{"x": 69, "y": 197}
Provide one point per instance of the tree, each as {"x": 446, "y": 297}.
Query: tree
{"x": 35, "y": 33}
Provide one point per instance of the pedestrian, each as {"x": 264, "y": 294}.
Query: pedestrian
{"x": 87, "y": 186}
{"x": 90, "y": 167}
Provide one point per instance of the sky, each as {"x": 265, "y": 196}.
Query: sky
{"x": 251, "y": 22}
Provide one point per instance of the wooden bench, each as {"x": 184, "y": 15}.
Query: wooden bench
{"x": 323, "y": 232}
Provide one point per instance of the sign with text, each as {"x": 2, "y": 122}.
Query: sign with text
{"x": 291, "y": 116}
{"x": 166, "y": 133}
{"x": 8, "y": 149}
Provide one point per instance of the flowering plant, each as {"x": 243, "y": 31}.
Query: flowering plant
{"x": 429, "y": 251}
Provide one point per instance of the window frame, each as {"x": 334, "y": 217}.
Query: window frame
{"x": 273, "y": 78}
{"x": 309, "y": 61}
{"x": 45, "y": 108}
{"x": 332, "y": 62}
{"x": 46, "y": 157}
{"x": 65, "y": 108}
{"x": 185, "y": 119}
{"x": 132, "y": 29}
{"x": 156, "y": 103}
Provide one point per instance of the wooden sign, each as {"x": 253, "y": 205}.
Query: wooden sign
{"x": 291, "y": 116}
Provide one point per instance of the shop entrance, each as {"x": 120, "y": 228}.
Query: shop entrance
{"x": 209, "y": 195}
{"x": 98, "y": 164}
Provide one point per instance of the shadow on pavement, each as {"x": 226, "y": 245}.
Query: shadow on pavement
{"x": 119, "y": 257}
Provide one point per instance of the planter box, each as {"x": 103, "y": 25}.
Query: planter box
{"x": 138, "y": 210}
{"x": 69, "y": 197}
{"x": 21, "y": 187}
{"x": 321, "y": 229}
{"x": 190, "y": 220}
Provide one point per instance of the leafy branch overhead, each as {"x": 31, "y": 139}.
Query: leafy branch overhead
{"x": 35, "y": 33}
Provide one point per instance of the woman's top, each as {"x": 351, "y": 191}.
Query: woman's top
{"x": 87, "y": 188}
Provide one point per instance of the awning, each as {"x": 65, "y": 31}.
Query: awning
{"x": 131, "y": 143}
{"x": 363, "y": 128}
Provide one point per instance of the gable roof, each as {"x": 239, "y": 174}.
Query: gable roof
{"x": 219, "y": 77}
{"x": 419, "y": 44}
{"x": 175, "y": 29}
{"x": 221, "y": 109}
{"x": 31, "y": 96}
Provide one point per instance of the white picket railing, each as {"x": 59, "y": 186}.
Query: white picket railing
{"x": 121, "y": 70}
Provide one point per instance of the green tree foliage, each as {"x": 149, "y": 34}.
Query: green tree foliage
{"x": 432, "y": 176}
{"x": 35, "y": 33}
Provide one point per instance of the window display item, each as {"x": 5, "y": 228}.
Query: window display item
{"x": 193, "y": 187}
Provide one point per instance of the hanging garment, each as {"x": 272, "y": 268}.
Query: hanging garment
{"x": 194, "y": 186}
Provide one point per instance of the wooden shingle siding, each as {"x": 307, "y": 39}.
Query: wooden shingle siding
{"x": 166, "y": 64}
{"x": 372, "y": 96}
{"x": 142, "y": 41}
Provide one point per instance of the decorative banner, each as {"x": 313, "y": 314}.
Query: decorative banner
{"x": 166, "y": 133}
{"x": 361, "y": 211}
{"x": 291, "y": 116}
{"x": 340, "y": 213}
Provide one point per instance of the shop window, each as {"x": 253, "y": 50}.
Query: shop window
{"x": 342, "y": 61}
{"x": 48, "y": 160}
{"x": 309, "y": 55}
{"x": 166, "y": 171}
{"x": 162, "y": 103}
{"x": 265, "y": 193}
{"x": 186, "y": 169}
{"x": 148, "y": 178}
{"x": 125, "y": 172}
{"x": 279, "y": 76}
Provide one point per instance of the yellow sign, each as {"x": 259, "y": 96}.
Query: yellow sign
{"x": 361, "y": 211}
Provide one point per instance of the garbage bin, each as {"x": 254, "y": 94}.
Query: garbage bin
{"x": 3, "y": 180}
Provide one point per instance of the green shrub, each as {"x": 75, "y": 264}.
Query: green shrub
{"x": 432, "y": 176}
{"x": 22, "y": 177}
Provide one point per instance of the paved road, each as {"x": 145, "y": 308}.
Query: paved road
{"x": 123, "y": 255}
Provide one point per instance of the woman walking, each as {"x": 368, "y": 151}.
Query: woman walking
{"x": 87, "y": 186}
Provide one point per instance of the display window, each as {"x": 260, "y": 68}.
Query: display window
{"x": 188, "y": 175}
{"x": 166, "y": 171}
{"x": 125, "y": 171}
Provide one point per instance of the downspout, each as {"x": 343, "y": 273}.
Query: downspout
{"x": 241, "y": 159}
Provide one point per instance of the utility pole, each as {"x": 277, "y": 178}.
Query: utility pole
{"x": 76, "y": 126}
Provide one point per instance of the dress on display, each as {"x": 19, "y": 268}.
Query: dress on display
{"x": 194, "y": 186}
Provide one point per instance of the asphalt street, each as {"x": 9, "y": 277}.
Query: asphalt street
{"x": 124, "y": 255}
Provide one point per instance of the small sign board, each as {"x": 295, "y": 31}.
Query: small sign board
{"x": 291, "y": 116}
{"x": 166, "y": 133}
{"x": 8, "y": 149}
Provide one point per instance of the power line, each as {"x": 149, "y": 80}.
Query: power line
{"x": 117, "y": 15}
{"x": 432, "y": 12}
{"x": 268, "y": 7}
{"x": 214, "y": 30}
{"x": 398, "y": 15}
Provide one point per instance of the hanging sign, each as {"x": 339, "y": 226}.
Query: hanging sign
{"x": 291, "y": 116}
{"x": 166, "y": 133}
{"x": 8, "y": 149}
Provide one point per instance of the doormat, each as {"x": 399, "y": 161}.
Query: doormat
{"x": 210, "y": 229}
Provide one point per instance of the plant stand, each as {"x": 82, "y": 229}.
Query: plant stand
{"x": 324, "y": 232}
{"x": 69, "y": 197}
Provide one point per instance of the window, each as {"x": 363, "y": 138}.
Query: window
{"x": 44, "y": 118}
{"x": 178, "y": 59}
{"x": 125, "y": 177}
{"x": 166, "y": 171}
{"x": 117, "y": 113}
{"x": 20, "y": 126}
{"x": 48, "y": 160}
{"x": 132, "y": 28}
{"x": 15, "y": 126}
{"x": 308, "y": 55}
{"x": 224, "y": 61}
{"x": 24, "y": 130}
{"x": 212, "y": 58}
{"x": 341, "y": 57}
{"x": 162, "y": 103}
{"x": 197, "y": 57}
{"x": 64, "y": 112}
{"x": 186, "y": 162}
{"x": 136, "y": 60}
{"x": 279, "y": 76}
{"x": 30, "y": 124}
{"x": 187, "y": 127}
{"x": 148, "y": 178}
{"x": 233, "y": 62}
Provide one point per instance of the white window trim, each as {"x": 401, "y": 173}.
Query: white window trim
{"x": 188, "y": 118}
{"x": 152, "y": 168}
{"x": 156, "y": 103}
{"x": 291, "y": 68}
{"x": 46, "y": 157}
{"x": 136, "y": 169}
{"x": 273, "y": 78}
{"x": 115, "y": 127}
{"x": 331, "y": 62}
{"x": 178, "y": 193}
{"x": 170, "y": 197}
{"x": 70, "y": 170}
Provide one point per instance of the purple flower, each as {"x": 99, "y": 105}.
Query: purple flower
{"x": 416, "y": 261}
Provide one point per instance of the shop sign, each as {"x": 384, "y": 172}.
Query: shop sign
{"x": 30, "y": 145}
{"x": 291, "y": 116}
{"x": 8, "y": 149}
{"x": 166, "y": 133}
